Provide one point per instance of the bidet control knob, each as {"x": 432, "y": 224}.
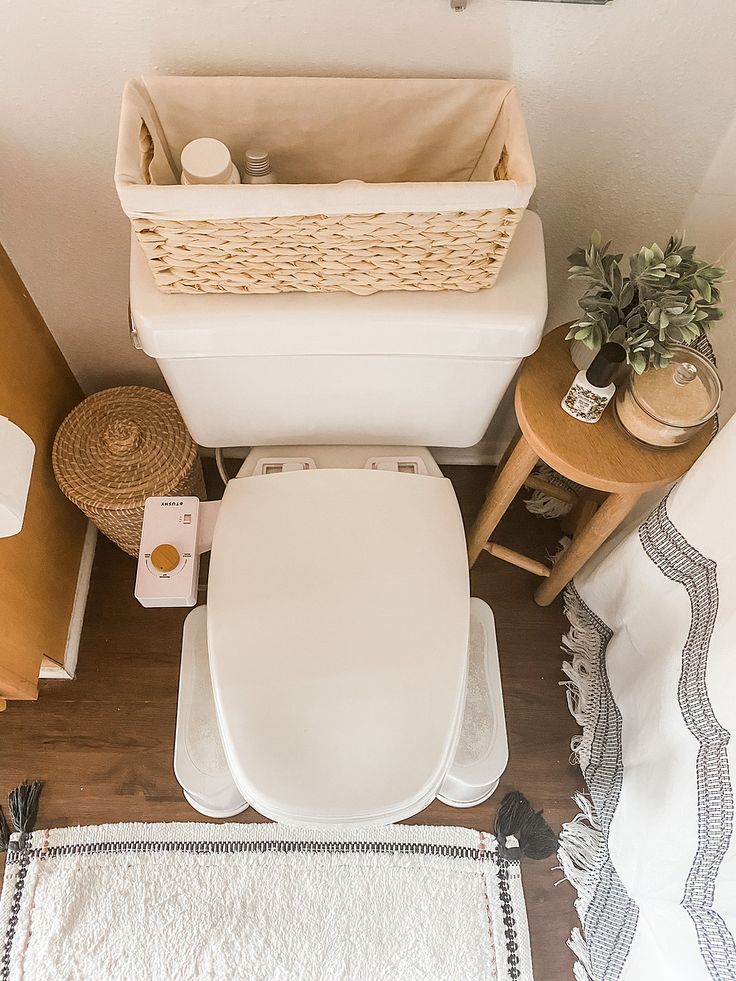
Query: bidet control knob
{"x": 165, "y": 558}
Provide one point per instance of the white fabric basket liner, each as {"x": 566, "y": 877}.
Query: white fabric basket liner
{"x": 337, "y": 145}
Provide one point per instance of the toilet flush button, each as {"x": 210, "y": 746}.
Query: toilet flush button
{"x": 165, "y": 558}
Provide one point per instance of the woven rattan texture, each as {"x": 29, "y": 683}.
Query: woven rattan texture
{"x": 316, "y": 253}
{"x": 118, "y": 447}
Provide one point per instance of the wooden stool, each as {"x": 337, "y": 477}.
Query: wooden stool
{"x": 600, "y": 457}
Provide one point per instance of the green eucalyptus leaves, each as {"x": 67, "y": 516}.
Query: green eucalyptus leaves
{"x": 669, "y": 297}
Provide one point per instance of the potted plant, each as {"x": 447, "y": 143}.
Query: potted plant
{"x": 669, "y": 298}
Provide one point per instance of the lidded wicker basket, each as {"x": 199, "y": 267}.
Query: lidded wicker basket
{"x": 383, "y": 183}
{"x": 119, "y": 447}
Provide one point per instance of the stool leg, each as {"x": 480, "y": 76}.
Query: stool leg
{"x": 588, "y": 507}
{"x": 592, "y": 535}
{"x": 503, "y": 461}
{"x": 575, "y": 520}
{"x": 518, "y": 466}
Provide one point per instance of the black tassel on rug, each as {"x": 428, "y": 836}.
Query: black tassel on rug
{"x": 516, "y": 817}
{"x": 23, "y": 807}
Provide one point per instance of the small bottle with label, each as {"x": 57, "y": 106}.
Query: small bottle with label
{"x": 593, "y": 388}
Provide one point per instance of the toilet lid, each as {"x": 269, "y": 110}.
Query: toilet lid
{"x": 338, "y": 613}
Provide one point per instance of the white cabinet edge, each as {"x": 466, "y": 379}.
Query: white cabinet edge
{"x": 74, "y": 634}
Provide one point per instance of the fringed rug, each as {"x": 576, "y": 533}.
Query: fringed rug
{"x": 128, "y": 902}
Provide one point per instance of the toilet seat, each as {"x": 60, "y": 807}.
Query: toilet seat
{"x": 338, "y": 614}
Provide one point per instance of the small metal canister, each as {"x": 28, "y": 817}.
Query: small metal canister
{"x": 668, "y": 406}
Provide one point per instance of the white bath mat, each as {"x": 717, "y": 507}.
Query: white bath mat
{"x": 128, "y": 902}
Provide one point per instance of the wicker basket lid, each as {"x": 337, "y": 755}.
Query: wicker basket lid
{"x": 120, "y": 446}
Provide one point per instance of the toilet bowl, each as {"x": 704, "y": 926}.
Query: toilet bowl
{"x": 327, "y": 680}
{"x": 200, "y": 765}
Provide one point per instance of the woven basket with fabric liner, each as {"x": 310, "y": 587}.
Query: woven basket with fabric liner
{"x": 383, "y": 184}
{"x": 118, "y": 447}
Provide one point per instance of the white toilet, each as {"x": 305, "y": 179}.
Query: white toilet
{"x": 340, "y": 671}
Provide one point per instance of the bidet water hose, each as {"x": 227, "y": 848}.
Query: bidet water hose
{"x": 220, "y": 461}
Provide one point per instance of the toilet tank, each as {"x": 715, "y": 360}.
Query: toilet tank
{"x": 409, "y": 368}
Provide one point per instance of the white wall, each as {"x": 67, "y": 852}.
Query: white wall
{"x": 711, "y": 222}
{"x": 626, "y": 105}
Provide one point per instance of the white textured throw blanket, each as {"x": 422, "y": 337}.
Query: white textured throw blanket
{"x": 653, "y": 683}
{"x": 129, "y": 902}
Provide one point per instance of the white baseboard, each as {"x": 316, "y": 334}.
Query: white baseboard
{"x": 74, "y": 634}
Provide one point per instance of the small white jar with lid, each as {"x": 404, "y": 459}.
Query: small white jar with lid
{"x": 207, "y": 161}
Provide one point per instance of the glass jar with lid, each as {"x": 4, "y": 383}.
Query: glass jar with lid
{"x": 668, "y": 406}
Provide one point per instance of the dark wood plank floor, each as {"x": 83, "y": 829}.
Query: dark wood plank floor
{"x": 103, "y": 743}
